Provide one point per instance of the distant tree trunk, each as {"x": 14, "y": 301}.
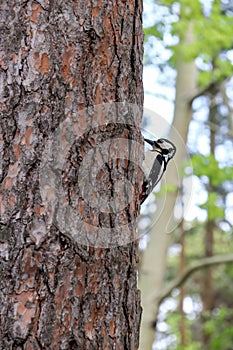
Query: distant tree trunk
{"x": 155, "y": 257}
{"x": 182, "y": 266}
{"x": 63, "y": 285}
{"x": 208, "y": 286}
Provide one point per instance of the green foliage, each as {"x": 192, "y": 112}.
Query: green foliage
{"x": 204, "y": 78}
{"x": 193, "y": 346}
{"x": 154, "y": 31}
{"x": 214, "y": 211}
{"x": 211, "y": 37}
{"x": 210, "y": 167}
{"x": 168, "y": 188}
{"x": 222, "y": 275}
{"x": 220, "y": 328}
{"x": 174, "y": 322}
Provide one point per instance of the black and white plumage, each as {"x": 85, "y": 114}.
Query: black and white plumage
{"x": 155, "y": 164}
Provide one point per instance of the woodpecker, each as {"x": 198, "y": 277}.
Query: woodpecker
{"x": 155, "y": 164}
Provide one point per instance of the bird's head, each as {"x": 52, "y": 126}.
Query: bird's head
{"x": 163, "y": 146}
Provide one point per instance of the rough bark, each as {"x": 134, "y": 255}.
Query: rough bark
{"x": 57, "y": 58}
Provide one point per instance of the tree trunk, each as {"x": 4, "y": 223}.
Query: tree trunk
{"x": 155, "y": 256}
{"x": 208, "y": 282}
{"x": 68, "y": 260}
{"x": 182, "y": 266}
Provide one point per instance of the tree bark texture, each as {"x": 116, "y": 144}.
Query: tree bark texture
{"x": 56, "y": 59}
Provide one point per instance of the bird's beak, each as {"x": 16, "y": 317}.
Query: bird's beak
{"x": 155, "y": 146}
{"x": 149, "y": 141}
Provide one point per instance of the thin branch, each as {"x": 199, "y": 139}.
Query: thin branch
{"x": 216, "y": 128}
{"x": 227, "y": 101}
{"x": 212, "y": 89}
{"x": 203, "y": 263}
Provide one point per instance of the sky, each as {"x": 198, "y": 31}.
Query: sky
{"x": 159, "y": 106}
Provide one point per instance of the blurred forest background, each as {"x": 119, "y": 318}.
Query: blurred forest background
{"x": 186, "y": 271}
